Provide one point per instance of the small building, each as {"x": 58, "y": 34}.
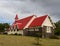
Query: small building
{"x": 32, "y": 25}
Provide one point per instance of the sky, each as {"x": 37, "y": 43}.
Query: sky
{"x": 24, "y": 8}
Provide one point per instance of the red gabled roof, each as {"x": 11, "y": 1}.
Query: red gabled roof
{"x": 23, "y": 22}
{"x": 38, "y": 21}
{"x": 18, "y": 24}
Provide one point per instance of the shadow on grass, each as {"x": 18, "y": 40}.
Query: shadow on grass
{"x": 35, "y": 44}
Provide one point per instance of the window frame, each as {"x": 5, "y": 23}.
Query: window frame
{"x": 48, "y": 29}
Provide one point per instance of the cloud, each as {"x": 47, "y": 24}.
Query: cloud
{"x": 51, "y": 7}
{"x": 9, "y": 8}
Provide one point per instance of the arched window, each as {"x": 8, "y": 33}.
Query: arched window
{"x": 48, "y": 30}
{"x": 17, "y": 27}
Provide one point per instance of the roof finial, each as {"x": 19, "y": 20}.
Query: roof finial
{"x": 16, "y": 18}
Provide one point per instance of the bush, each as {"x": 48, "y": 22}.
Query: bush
{"x": 4, "y": 33}
{"x": 15, "y": 34}
{"x": 57, "y": 30}
{"x": 54, "y": 37}
{"x": 20, "y": 34}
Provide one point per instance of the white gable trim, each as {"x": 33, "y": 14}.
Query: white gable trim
{"x": 29, "y": 22}
{"x": 47, "y": 22}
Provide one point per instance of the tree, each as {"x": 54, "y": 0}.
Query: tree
{"x": 1, "y": 27}
{"x": 57, "y": 30}
{"x": 4, "y": 26}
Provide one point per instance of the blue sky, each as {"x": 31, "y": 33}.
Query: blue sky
{"x": 24, "y": 8}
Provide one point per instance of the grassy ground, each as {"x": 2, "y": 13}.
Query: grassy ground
{"x": 11, "y": 40}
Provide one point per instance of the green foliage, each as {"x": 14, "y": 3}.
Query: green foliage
{"x": 54, "y": 37}
{"x": 57, "y": 30}
{"x": 3, "y": 26}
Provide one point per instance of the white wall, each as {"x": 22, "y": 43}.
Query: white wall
{"x": 47, "y": 22}
{"x": 18, "y": 32}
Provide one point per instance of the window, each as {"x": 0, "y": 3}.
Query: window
{"x": 36, "y": 29}
{"x": 16, "y": 28}
{"x": 31, "y": 29}
{"x": 48, "y": 29}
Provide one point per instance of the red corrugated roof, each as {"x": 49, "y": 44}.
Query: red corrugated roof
{"x": 38, "y": 21}
{"x": 19, "y": 25}
{"x": 23, "y": 22}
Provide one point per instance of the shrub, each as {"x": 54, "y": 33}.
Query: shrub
{"x": 15, "y": 34}
{"x": 54, "y": 37}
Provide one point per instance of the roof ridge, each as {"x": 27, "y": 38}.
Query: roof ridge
{"x": 38, "y": 21}
{"x": 26, "y": 17}
{"x": 42, "y": 16}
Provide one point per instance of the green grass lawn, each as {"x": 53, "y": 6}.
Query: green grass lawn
{"x": 11, "y": 40}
